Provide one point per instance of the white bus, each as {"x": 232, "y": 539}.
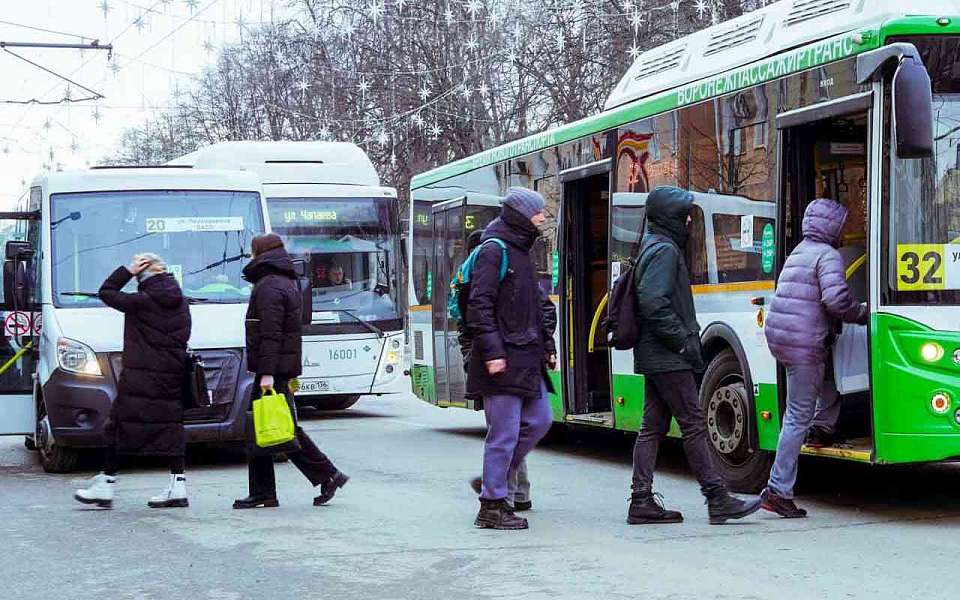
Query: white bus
{"x": 62, "y": 351}
{"x": 325, "y": 200}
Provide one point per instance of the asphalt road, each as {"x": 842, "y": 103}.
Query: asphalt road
{"x": 402, "y": 528}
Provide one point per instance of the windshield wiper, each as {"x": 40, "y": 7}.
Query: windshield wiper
{"x": 373, "y": 328}
{"x": 225, "y": 261}
{"x": 80, "y": 294}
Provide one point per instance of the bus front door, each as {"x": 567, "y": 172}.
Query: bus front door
{"x": 18, "y": 240}
{"x": 825, "y": 152}
{"x": 584, "y": 284}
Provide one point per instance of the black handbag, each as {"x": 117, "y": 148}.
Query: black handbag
{"x": 196, "y": 394}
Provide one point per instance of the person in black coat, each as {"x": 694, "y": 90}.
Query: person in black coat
{"x": 667, "y": 354}
{"x": 274, "y": 342}
{"x": 512, "y": 348}
{"x": 518, "y": 480}
{"x": 146, "y": 418}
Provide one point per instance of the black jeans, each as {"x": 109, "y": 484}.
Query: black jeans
{"x": 313, "y": 463}
{"x": 669, "y": 395}
{"x": 110, "y": 462}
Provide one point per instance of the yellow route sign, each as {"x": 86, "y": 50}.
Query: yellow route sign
{"x": 928, "y": 267}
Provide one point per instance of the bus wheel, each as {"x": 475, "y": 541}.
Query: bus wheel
{"x": 731, "y": 425}
{"x": 336, "y": 402}
{"x": 53, "y": 458}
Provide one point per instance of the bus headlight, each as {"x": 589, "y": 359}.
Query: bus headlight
{"x": 76, "y": 357}
{"x": 395, "y": 344}
{"x": 940, "y": 403}
{"x": 931, "y": 352}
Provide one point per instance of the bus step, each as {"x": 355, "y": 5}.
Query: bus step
{"x": 603, "y": 419}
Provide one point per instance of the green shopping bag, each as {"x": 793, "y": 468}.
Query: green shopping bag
{"x": 272, "y": 422}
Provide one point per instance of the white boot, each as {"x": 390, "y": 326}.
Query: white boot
{"x": 175, "y": 496}
{"x": 100, "y": 491}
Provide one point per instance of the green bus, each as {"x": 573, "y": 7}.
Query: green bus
{"x": 854, "y": 100}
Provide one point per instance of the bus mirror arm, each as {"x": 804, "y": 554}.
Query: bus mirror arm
{"x": 912, "y": 96}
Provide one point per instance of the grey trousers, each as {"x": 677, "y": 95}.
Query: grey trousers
{"x": 518, "y": 484}
{"x": 804, "y": 386}
{"x": 828, "y": 406}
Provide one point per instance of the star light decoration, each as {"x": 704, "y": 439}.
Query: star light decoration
{"x": 472, "y": 45}
{"x": 96, "y": 115}
{"x": 105, "y": 7}
{"x": 192, "y": 4}
{"x": 473, "y": 8}
{"x": 634, "y": 51}
{"x": 424, "y": 92}
{"x": 375, "y": 9}
{"x": 483, "y": 90}
{"x": 140, "y": 23}
{"x": 324, "y": 132}
{"x": 417, "y": 119}
{"x": 208, "y": 47}
{"x": 303, "y": 85}
{"x": 702, "y": 7}
{"x": 448, "y": 15}
{"x": 363, "y": 86}
{"x": 400, "y": 4}
{"x": 435, "y": 131}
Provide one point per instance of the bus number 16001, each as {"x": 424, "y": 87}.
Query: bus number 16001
{"x": 343, "y": 354}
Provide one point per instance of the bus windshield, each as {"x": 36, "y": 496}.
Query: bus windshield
{"x": 922, "y": 221}
{"x": 351, "y": 247}
{"x": 202, "y": 235}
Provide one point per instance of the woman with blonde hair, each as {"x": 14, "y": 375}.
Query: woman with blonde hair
{"x": 146, "y": 417}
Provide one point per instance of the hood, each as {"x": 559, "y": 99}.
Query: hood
{"x": 667, "y": 212}
{"x": 275, "y": 261}
{"x": 823, "y": 220}
{"x": 511, "y": 226}
{"x": 163, "y": 289}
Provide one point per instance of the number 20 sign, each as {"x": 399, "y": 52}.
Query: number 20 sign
{"x": 928, "y": 267}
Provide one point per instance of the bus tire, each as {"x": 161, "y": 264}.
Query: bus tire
{"x": 730, "y": 415}
{"x": 335, "y": 402}
{"x": 53, "y": 458}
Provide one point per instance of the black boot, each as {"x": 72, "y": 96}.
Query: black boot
{"x": 330, "y": 487}
{"x": 785, "y": 507}
{"x": 495, "y": 514}
{"x": 722, "y": 507}
{"x": 256, "y": 502}
{"x": 648, "y": 508}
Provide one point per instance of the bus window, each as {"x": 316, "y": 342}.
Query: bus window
{"x": 697, "y": 248}
{"x": 735, "y": 262}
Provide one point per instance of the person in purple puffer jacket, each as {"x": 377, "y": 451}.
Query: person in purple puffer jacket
{"x": 812, "y": 295}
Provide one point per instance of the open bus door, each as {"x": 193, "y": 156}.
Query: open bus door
{"x": 19, "y": 237}
{"x": 453, "y": 221}
{"x": 585, "y": 281}
{"x": 826, "y": 153}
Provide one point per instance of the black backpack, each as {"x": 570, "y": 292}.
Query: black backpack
{"x": 621, "y": 327}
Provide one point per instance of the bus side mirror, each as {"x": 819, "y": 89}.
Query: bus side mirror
{"x": 913, "y": 110}
{"x": 306, "y": 291}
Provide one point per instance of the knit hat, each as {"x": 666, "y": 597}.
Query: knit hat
{"x": 527, "y": 202}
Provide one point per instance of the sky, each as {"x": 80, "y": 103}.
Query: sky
{"x": 159, "y": 47}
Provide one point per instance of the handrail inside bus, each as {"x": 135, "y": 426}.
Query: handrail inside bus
{"x": 855, "y": 265}
{"x": 596, "y": 322}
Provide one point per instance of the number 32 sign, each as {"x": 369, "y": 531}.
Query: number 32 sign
{"x": 928, "y": 267}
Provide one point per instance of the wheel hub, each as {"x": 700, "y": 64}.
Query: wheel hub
{"x": 44, "y": 436}
{"x": 726, "y": 418}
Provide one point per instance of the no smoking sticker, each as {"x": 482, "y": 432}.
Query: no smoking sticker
{"x": 17, "y": 324}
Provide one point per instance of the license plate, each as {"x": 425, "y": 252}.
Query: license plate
{"x": 313, "y": 385}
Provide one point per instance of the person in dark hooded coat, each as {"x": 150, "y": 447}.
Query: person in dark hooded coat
{"x": 511, "y": 351}
{"x": 274, "y": 346}
{"x": 146, "y": 417}
{"x": 668, "y": 353}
